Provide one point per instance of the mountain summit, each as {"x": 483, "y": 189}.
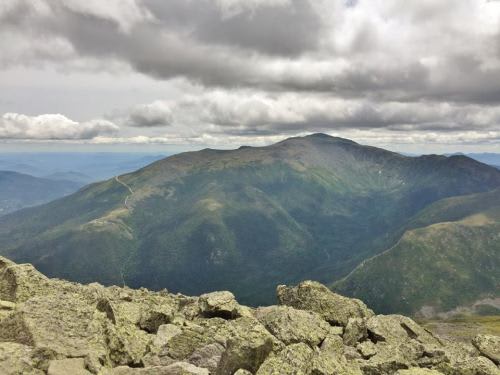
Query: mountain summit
{"x": 309, "y": 207}
{"x": 54, "y": 327}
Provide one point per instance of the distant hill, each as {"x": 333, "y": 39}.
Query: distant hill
{"x": 76, "y": 166}
{"x": 70, "y": 176}
{"x": 245, "y": 220}
{"x": 448, "y": 257}
{"x": 19, "y": 190}
{"x": 489, "y": 158}
{"x": 486, "y": 158}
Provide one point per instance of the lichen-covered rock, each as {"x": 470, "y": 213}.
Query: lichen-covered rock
{"x": 294, "y": 359}
{"x": 333, "y": 344}
{"x": 418, "y": 371}
{"x": 19, "y": 282}
{"x": 398, "y": 328}
{"x": 181, "y": 345}
{"x": 469, "y": 366}
{"x": 388, "y": 358}
{"x": 242, "y": 372}
{"x": 208, "y": 356}
{"x": 292, "y": 326}
{"x": 222, "y": 305}
{"x": 489, "y": 346}
{"x": 302, "y": 359}
{"x": 64, "y": 323}
{"x": 52, "y": 327}
{"x": 184, "y": 368}
{"x": 333, "y": 363}
{"x": 178, "y": 368}
{"x": 19, "y": 359}
{"x": 355, "y": 331}
{"x": 165, "y": 333}
{"x": 6, "y": 305}
{"x": 73, "y": 366}
{"x": 248, "y": 347}
{"x": 367, "y": 349}
{"x": 313, "y": 296}
{"x": 397, "y": 343}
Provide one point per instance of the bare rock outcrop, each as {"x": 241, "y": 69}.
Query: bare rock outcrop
{"x": 54, "y": 327}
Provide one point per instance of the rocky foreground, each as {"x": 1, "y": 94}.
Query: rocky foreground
{"x": 54, "y": 327}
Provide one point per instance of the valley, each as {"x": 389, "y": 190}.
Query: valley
{"x": 311, "y": 207}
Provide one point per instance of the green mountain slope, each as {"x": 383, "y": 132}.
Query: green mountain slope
{"x": 243, "y": 220}
{"x": 18, "y": 190}
{"x": 450, "y": 259}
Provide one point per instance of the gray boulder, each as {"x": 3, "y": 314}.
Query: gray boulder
{"x": 489, "y": 346}
{"x": 292, "y": 326}
{"x": 313, "y": 296}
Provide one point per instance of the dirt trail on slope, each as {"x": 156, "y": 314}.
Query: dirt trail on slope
{"x": 128, "y": 188}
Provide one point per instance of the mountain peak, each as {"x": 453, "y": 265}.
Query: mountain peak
{"x": 318, "y": 137}
{"x": 329, "y": 137}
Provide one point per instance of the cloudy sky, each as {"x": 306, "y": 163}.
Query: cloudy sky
{"x": 413, "y": 75}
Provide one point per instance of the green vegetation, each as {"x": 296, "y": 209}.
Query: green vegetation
{"x": 243, "y": 220}
{"x": 452, "y": 260}
{"x": 464, "y": 327}
{"x": 20, "y": 190}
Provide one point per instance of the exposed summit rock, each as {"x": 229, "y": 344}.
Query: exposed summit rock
{"x": 313, "y": 296}
{"x": 54, "y": 327}
{"x": 221, "y": 304}
{"x": 489, "y": 346}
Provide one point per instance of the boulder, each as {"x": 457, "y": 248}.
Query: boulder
{"x": 418, "y": 371}
{"x": 242, "y": 372}
{"x": 248, "y": 347}
{"x": 165, "y": 333}
{"x": 178, "y": 368}
{"x": 313, "y": 296}
{"x": 19, "y": 282}
{"x": 73, "y": 366}
{"x": 221, "y": 305}
{"x": 292, "y": 326}
{"x": 355, "y": 331}
{"x": 367, "y": 349}
{"x": 208, "y": 356}
{"x": 395, "y": 342}
{"x": 64, "y": 323}
{"x": 332, "y": 344}
{"x": 17, "y": 359}
{"x": 302, "y": 359}
{"x": 328, "y": 362}
{"x": 469, "y": 366}
{"x": 183, "y": 368}
{"x": 489, "y": 346}
{"x": 398, "y": 328}
{"x": 294, "y": 359}
{"x": 388, "y": 358}
{"x": 52, "y": 327}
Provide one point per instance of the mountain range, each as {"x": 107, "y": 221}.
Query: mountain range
{"x": 359, "y": 218}
{"x": 19, "y": 190}
{"x": 448, "y": 256}
{"x": 85, "y": 167}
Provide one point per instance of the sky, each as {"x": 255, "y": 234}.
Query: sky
{"x": 416, "y": 76}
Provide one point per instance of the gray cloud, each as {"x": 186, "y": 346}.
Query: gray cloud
{"x": 270, "y": 67}
{"x": 244, "y": 113}
{"x": 366, "y": 49}
{"x": 150, "y": 115}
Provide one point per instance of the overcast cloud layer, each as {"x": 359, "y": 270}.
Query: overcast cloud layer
{"x": 226, "y": 72}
